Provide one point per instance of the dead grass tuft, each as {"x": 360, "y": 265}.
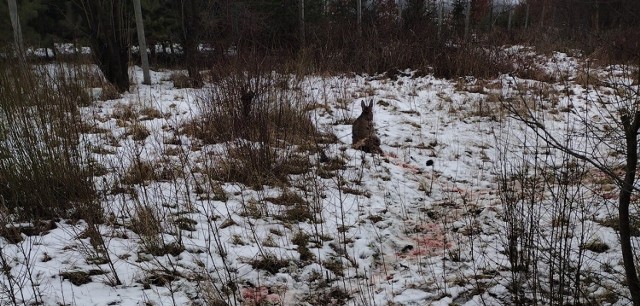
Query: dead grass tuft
{"x": 287, "y": 198}
{"x": 588, "y": 79}
{"x": 301, "y": 239}
{"x": 125, "y": 112}
{"x": 139, "y": 173}
{"x": 596, "y": 246}
{"x": 254, "y": 165}
{"x": 180, "y": 80}
{"x": 138, "y": 132}
{"x": 145, "y": 222}
{"x": 150, "y": 113}
{"x": 269, "y": 263}
{"x": 79, "y": 277}
{"x": 297, "y": 213}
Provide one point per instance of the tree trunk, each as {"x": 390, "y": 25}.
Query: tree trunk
{"x": 359, "y": 17}
{"x": 526, "y": 16}
{"x": 107, "y": 25}
{"x": 440, "y": 8}
{"x": 597, "y": 16}
{"x": 15, "y": 23}
{"x": 491, "y": 19}
{"x": 509, "y": 20}
{"x": 542, "y": 14}
{"x": 190, "y": 41}
{"x": 142, "y": 43}
{"x": 467, "y": 19}
{"x": 113, "y": 61}
{"x": 303, "y": 42}
{"x": 624, "y": 226}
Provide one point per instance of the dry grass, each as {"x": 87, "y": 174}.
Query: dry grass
{"x": 180, "y": 80}
{"x": 145, "y": 222}
{"x": 287, "y": 198}
{"x": 270, "y": 263}
{"x": 252, "y": 165}
{"x": 138, "y": 132}
{"x": 596, "y": 246}
{"x": 258, "y": 122}
{"x": 588, "y": 79}
{"x": 139, "y": 173}
{"x": 125, "y": 112}
{"x": 44, "y": 175}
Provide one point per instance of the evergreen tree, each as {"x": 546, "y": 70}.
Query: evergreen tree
{"x": 29, "y": 12}
{"x": 161, "y": 23}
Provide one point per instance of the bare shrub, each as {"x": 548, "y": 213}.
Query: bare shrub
{"x": 618, "y": 46}
{"x": 260, "y": 117}
{"x": 41, "y": 173}
{"x": 147, "y": 224}
{"x": 554, "y": 188}
{"x": 270, "y": 114}
{"x": 471, "y": 60}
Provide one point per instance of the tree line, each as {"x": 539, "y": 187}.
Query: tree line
{"x": 194, "y": 33}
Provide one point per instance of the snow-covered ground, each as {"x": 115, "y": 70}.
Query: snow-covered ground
{"x": 390, "y": 231}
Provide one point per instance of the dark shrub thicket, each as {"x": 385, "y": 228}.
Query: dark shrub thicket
{"x": 257, "y": 116}
{"x": 41, "y": 162}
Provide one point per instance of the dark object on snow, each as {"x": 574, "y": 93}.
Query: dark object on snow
{"x": 407, "y": 248}
{"x": 323, "y": 157}
{"x": 394, "y": 73}
{"x": 430, "y": 163}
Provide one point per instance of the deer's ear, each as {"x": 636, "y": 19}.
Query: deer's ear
{"x": 362, "y": 104}
{"x": 371, "y": 103}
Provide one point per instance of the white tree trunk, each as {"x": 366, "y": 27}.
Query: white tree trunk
{"x": 142, "y": 43}
{"x": 15, "y": 22}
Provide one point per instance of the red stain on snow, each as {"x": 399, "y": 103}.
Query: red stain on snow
{"x": 393, "y": 158}
{"x": 259, "y": 295}
{"x": 429, "y": 240}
